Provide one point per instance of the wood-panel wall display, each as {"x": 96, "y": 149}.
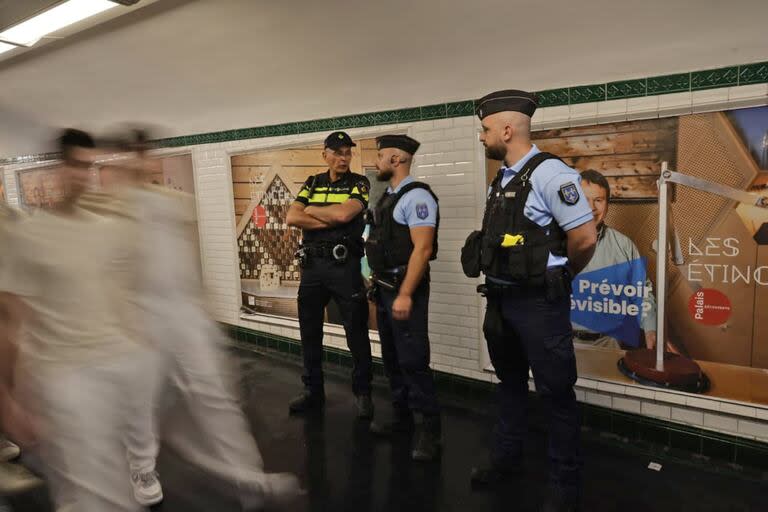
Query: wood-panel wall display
{"x": 628, "y": 154}
{"x": 265, "y": 184}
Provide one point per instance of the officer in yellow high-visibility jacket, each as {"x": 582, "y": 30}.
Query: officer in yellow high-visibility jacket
{"x": 330, "y": 211}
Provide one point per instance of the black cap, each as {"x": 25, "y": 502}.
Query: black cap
{"x": 403, "y": 142}
{"x": 510, "y": 100}
{"x": 337, "y": 140}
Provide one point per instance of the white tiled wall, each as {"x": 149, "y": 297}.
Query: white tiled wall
{"x": 451, "y": 161}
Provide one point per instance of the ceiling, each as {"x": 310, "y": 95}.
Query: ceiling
{"x": 194, "y": 66}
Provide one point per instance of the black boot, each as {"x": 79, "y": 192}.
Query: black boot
{"x": 494, "y": 476}
{"x": 364, "y": 406}
{"x": 428, "y": 439}
{"x": 307, "y": 402}
{"x": 402, "y": 423}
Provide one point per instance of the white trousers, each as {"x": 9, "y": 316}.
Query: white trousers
{"x": 205, "y": 425}
{"x": 81, "y": 418}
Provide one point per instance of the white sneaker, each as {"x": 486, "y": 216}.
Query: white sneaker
{"x": 146, "y": 488}
{"x": 8, "y": 450}
{"x": 16, "y": 479}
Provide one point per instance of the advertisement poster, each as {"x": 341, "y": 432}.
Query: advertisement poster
{"x": 42, "y": 187}
{"x": 717, "y": 308}
{"x": 265, "y": 184}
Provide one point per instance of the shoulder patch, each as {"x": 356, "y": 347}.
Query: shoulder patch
{"x": 422, "y": 211}
{"x": 569, "y": 194}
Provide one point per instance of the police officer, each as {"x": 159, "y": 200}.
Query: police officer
{"x": 538, "y": 232}
{"x": 402, "y": 241}
{"x": 330, "y": 211}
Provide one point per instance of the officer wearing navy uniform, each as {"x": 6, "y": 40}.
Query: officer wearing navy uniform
{"x": 538, "y": 232}
{"x": 402, "y": 241}
{"x": 330, "y": 210}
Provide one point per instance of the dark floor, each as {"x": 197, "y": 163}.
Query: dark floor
{"x": 345, "y": 469}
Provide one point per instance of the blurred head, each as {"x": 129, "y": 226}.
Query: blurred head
{"x": 131, "y": 149}
{"x": 78, "y": 151}
{"x": 337, "y": 152}
{"x": 598, "y": 193}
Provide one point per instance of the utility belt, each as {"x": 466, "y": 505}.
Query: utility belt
{"x": 557, "y": 285}
{"x": 338, "y": 252}
{"x": 390, "y": 280}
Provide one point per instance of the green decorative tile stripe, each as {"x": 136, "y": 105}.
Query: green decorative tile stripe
{"x": 587, "y": 94}
{"x": 668, "y": 84}
{"x": 646, "y": 434}
{"x": 747, "y": 74}
{"x": 714, "y": 78}
{"x": 626, "y": 89}
{"x": 30, "y": 159}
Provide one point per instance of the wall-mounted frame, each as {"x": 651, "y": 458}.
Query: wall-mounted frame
{"x": 40, "y": 186}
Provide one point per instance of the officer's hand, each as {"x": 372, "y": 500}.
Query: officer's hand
{"x": 401, "y": 307}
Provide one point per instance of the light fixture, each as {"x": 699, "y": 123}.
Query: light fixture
{"x": 6, "y": 47}
{"x": 29, "y": 32}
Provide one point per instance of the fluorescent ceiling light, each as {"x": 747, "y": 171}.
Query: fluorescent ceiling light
{"x": 32, "y": 30}
{"x": 6, "y": 47}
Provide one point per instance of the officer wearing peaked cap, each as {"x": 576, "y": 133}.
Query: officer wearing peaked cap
{"x": 402, "y": 241}
{"x": 329, "y": 209}
{"x": 537, "y": 233}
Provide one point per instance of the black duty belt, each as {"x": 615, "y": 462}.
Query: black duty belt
{"x": 587, "y": 335}
{"x": 391, "y": 279}
{"x": 329, "y": 250}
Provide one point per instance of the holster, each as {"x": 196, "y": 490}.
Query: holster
{"x": 493, "y": 323}
{"x": 387, "y": 283}
{"x": 558, "y": 282}
{"x": 372, "y": 294}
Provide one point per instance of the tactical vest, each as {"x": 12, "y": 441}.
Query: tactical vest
{"x": 526, "y": 245}
{"x": 389, "y": 243}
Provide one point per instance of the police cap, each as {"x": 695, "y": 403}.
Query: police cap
{"x": 510, "y": 100}
{"x": 338, "y": 140}
{"x": 403, "y": 142}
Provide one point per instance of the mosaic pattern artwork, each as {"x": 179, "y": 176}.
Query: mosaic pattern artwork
{"x": 267, "y": 239}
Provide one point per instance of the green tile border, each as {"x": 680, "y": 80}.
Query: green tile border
{"x": 650, "y": 435}
{"x": 626, "y": 89}
{"x": 744, "y": 74}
